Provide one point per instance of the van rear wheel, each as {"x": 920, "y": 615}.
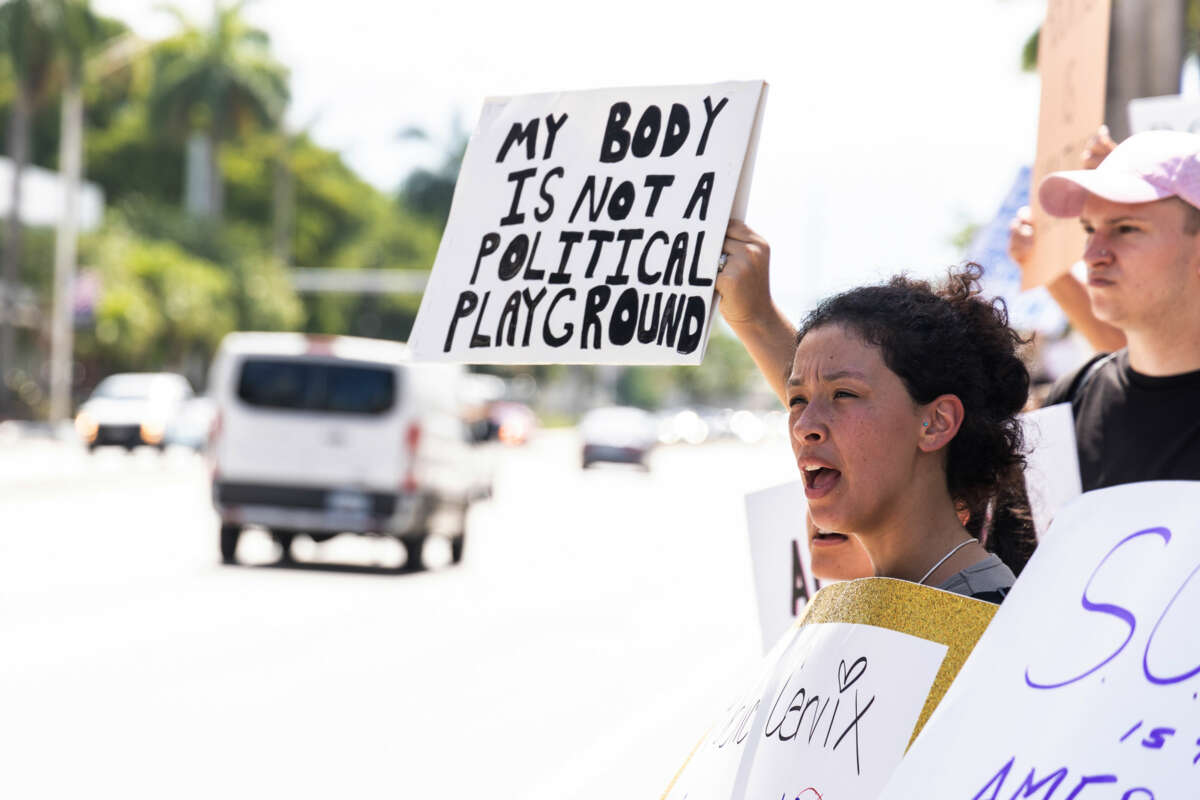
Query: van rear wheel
{"x": 285, "y": 539}
{"x": 229, "y": 540}
{"x": 414, "y": 543}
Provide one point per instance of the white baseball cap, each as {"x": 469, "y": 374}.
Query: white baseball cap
{"x": 1145, "y": 167}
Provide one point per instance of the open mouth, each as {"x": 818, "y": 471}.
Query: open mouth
{"x": 819, "y": 481}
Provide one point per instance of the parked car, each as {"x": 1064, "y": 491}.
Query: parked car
{"x": 132, "y": 408}
{"x": 330, "y": 435}
{"x": 619, "y": 434}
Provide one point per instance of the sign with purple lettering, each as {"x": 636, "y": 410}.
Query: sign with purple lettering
{"x": 1087, "y": 683}
{"x": 586, "y": 227}
{"x": 840, "y": 696}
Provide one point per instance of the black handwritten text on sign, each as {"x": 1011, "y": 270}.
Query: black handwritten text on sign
{"x": 586, "y": 227}
{"x": 628, "y": 257}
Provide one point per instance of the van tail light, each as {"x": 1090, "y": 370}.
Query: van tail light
{"x": 214, "y": 430}
{"x": 412, "y": 440}
{"x": 214, "y": 434}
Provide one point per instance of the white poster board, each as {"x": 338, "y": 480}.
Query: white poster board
{"x": 837, "y": 701}
{"x": 586, "y": 226}
{"x": 783, "y": 579}
{"x": 1087, "y": 683}
{"x": 1170, "y": 112}
{"x": 839, "y": 712}
{"x": 1052, "y": 466}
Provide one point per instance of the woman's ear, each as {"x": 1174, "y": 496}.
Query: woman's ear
{"x": 940, "y": 421}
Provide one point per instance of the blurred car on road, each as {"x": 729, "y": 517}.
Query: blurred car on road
{"x": 510, "y": 422}
{"x": 132, "y": 408}
{"x": 618, "y": 434}
{"x": 192, "y": 425}
{"x": 328, "y": 435}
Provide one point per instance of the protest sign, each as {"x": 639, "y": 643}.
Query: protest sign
{"x": 1028, "y": 310}
{"x": 1087, "y": 684}
{"x": 1170, "y": 112}
{"x": 1072, "y": 60}
{"x": 1052, "y": 466}
{"x": 840, "y": 697}
{"x": 776, "y": 521}
{"x": 586, "y": 227}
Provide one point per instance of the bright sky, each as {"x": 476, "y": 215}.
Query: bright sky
{"x": 888, "y": 125}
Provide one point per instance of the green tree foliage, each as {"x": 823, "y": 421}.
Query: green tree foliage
{"x": 217, "y": 82}
{"x": 726, "y": 377}
{"x": 172, "y": 283}
{"x": 158, "y": 303}
{"x": 428, "y": 192}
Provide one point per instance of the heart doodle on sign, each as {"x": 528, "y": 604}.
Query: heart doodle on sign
{"x": 847, "y": 677}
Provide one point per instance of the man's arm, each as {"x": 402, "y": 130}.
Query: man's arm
{"x": 1066, "y": 289}
{"x": 746, "y": 304}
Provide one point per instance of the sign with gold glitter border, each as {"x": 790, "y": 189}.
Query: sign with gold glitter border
{"x": 835, "y": 704}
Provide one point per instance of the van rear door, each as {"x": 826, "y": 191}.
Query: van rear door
{"x": 306, "y": 421}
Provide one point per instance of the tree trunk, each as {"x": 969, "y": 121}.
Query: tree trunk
{"x": 1146, "y": 49}
{"x": 196, "y": 195}
{"x": 284, "y": 202}
{"x": 70, "y": 165}
{"x": 18, "y": 152}
{"x": 216, "y": 187}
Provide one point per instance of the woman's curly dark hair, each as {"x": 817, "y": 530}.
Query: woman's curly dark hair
{"x": 950, "y": 340}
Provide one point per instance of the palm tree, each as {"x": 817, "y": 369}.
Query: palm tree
{"x": 211, "y": 85}
{"x": 26, "y": 33}
{"x": 77, "y": 34}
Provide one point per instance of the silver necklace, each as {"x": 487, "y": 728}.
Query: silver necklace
{"x": 941, "y": 561}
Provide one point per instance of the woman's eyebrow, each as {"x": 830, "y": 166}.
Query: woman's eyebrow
{"x": 832, "y": 376}
{"x": 844, "y": 373}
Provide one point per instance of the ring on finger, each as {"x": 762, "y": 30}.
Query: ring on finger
{"x": 721, "y": 261}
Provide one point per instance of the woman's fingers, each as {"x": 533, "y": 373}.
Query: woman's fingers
{"x": 741, "y": 232}
{"x": 743, "y": 282}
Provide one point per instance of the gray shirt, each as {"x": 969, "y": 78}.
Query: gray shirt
{"x": 990, "y": 580}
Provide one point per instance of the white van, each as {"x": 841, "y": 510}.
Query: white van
{"x": 322, "y": 435}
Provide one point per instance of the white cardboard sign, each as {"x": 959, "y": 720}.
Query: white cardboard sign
{"x": 1087, "y": 683}
{"x": 829, "y": 715}
{"x": 839, "y": 712}
{"x": 1052, "y": 466}
{"x": 586, "y": 226}
{"x": 783, "y": 579}
{"x": 1170, "y": 112}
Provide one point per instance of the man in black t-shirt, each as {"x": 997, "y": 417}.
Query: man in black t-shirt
{"x": 1137, "y": 411}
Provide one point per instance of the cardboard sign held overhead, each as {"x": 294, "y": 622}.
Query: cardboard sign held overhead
{"x": 1087, "y": 683}
{"x": 586, "y": 227}
{"x": 1073, "y": 63}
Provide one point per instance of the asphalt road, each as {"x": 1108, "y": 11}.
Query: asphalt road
{"x": 598, "y": 622}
